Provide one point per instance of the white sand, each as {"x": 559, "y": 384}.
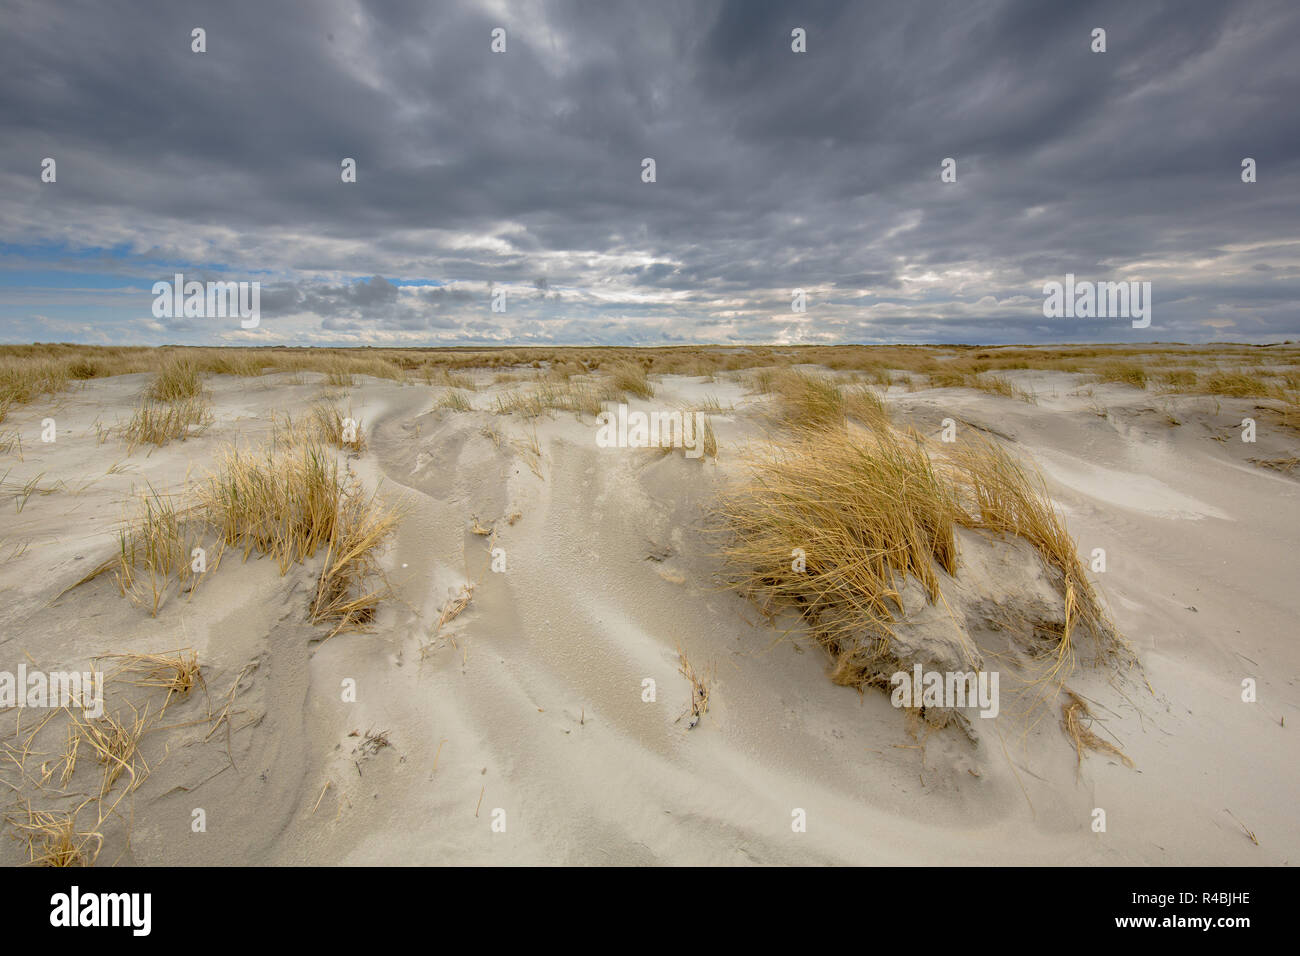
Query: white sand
{"x": 536, "y": 708}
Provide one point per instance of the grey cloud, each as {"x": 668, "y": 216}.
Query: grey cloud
{"x": 775, "y": 170}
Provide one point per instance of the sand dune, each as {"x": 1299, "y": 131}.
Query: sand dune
{"x": 528, "y": 706}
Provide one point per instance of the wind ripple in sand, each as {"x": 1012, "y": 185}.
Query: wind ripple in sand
{"x": 1125, "y": 489}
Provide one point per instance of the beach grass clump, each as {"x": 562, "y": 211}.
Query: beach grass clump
{"x": 178, "y": 379}
{"x": 154, "y": 550}
{"x": 1235, "y": 385}
{"x": 238, "y": 362}
{"x": 288, "y": 507}
{"x": 329, "y": 424}
{"x": 865, "y": 510}
{"x": 1178, "y": 380}
{"x": 1123, "y": 373}
{"x": 832, "y": 523}
{"x": 1076, "y": 720}
{"x": 807, "y": 399}
{"x": 352, "y": 585}
{"x": 177, "y": 672}
{"x": 811, "y": 400}
{"x": 1001, "y": 385}
{"x": 997, "y": 493}
{"x": 631, "y": 378}
{"x": 53, "y": 838}
{"x": 159, "y": 422}
{"x": 456, "y": 401}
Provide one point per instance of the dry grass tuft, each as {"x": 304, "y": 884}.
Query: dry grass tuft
{"x": 352, "y": 584}
{"x": 289, "y": 508}
{"x": 329, "y": 425}
{"x": 1001, "y": 385}
{"x": 1235, "y": 385}
{"x": 865, "y": 510}
{"x": 116, "y": 745}
{"x": 178, "y": 379}
{"x": 454, "y": 606}
{"x": 176, "y": 672}
{"x": 455, "y": 400}
{"x": 999, "y": 494}
{"x": 1076, "y": 719}
{"x": 631, "y": 378}
{"x": 530, "y": 450}
{"x": 835, "y": 522}
{"x": 53, "y": 839}
{"x": 1124, "y": 373}
{"x": 153, "y": 549}
{"x": 158, "y": 422}
{"x": 701, "y": 683}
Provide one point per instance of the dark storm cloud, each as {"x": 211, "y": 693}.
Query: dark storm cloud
{"x": 775, "y": 170}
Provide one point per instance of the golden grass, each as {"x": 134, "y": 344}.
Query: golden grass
{"x": 708, "y": 438}
{"x": 178, "y": 379}
{"x": 1122, "y": 373}
{"x": 530, "y": 450}
{"x": 240, "y": 362}
{"x": 833, "y": 522}
{"x": 1001, "y": 385}
{"x": 811, "y": 400}
{"x": 630, "y": 377}
{"x": 581, "y": 398}
{"x": 112, "y": 748}
{"x": 351, "y": 584}
{"x": 153, "y": 550}
{"x": 454, "y": 605}
{"x": 456, "y": 401}
{"x": 701, "y": 683}
{"x": 287, "y": 507}
{"x": 865, "y": 510}
{"x": 331, "y": 426}
{"x": 177, "y": 672}
{"x": 30, "y": 370}
{"x": 1076, "y": 719}
{"x": 53, "y": 838}
{"x": 115, "y": 742}
{"x": 997, "y": 493}
{"x": 159, "y": 422}
{"x": 1178, "y": 380}
{"x": 1235, "y": 385}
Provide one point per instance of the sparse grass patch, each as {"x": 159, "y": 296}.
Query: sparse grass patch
{"x": 176, "y": 672}
{"x": 287, "y": 507}
{"x": 1001, "y": 385}
{"x": 631, "y": 378}
{"x": 456, "y": 401}
{"x": 1076, "y": 719}
{"x": 53, "y": 838}
{"x": 331, "y": 426}
{"x": 1235, "y": 385}
{"x": 701, "y": 684}
{"x": 1178, "y": 380}
{"x": 178, "y": 380}
{"x": 157, "y": 422}
{"x": 1123, "y": 373}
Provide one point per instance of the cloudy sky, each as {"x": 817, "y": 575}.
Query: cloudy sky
{"x": 522, "y": 171}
